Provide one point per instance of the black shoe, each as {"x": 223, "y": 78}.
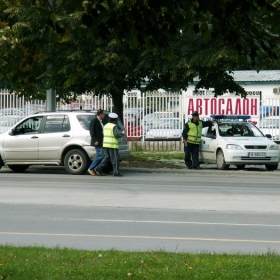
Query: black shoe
{"x": 97, "y": 172}
{"x": 189, "y": 167}
{"x": 118, "y": 175}
{"x": 197, "y": 167}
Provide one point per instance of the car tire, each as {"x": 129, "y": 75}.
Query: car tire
{"x": 240, "y": 166}
{"x": 271, "y": 167}
{"x": 18, "y": 168}
{"x": 1, "y": 163}
{"x": 76, "y": 162}
{"x": 220, "y": 159}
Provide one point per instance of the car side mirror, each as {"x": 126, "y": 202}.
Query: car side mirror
{"x": 11, "y": 132}
{"x": 268, "y": 136}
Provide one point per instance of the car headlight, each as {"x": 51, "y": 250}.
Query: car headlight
{"x": 273, "y": 147}
{"x": 233, "y": 147}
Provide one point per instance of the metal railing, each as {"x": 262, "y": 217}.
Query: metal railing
{"x": 142, "y": 112}
{"x": 270, "y": 118}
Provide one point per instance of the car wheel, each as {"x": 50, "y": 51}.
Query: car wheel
{"x": 220, "y": 158}
{"x": 18, "y": 168}
{"x": 76, "y": 162}
{"x": 1, "y": 163}
{"x": 240, "y": 166}
{"x": 271, "y": 167}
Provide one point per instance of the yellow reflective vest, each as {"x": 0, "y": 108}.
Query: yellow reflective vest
{"x": 109, "y": 140}
{"x": 194, "y": 133}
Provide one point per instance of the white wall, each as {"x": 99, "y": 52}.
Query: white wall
{"x": 265, "y": 89}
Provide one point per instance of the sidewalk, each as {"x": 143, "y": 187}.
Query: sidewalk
{"x": 206, "y": 169}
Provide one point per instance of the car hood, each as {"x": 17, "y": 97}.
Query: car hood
{"x": 248, "y": 140}
{"x": 164, "y": 132}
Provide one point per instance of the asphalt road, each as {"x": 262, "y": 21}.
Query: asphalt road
{"x": 172, "y": 210}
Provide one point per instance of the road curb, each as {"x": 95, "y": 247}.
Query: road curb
{"x": 209, "y": 170}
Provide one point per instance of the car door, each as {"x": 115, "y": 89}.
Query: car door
{"x": 55, "y": 134}
{"x": 208, "y": 145}
{"x": 22, "y": 143}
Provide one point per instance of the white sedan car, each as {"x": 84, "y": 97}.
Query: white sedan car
{"x": 165, "y": 129}
{"x": 231, "y": 140}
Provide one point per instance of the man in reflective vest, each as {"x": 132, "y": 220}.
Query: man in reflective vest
{"x": 192, "y": 138}
{"x": 111, "y": 134}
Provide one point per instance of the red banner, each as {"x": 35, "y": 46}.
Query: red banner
{"x": 207, "y": 106}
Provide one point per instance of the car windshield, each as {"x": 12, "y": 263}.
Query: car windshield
{"x": 157, "y": 116}
{"x": 134, "y": 111}
{"x": 166, "y": 124}
{"x": 231, "y": 129}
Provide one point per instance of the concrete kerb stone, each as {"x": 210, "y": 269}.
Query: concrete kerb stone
{"x": 209, "y": 169}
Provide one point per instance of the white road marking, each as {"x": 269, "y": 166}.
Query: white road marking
{"x": 167, "y": 222}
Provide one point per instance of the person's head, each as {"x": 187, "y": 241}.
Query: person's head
{"x": 113, "y": 117}
{"x": 100, "y": 114}
{"x": 195, "y": 116}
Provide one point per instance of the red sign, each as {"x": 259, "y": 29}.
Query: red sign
{"x": 207, "y": 106}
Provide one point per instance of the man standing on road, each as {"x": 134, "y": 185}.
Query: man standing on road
{"x": 111, "y": 146}
{"x": 192, "y": 138}
{"x": 96, "y": 133}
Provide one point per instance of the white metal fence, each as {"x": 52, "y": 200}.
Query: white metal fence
{"x": 138, "y": 109}
{"x": 13, "y": 107}
{"x": 150, "y": 115}
{"x": 270, "y": 117}
{"x": 142, "y": 111}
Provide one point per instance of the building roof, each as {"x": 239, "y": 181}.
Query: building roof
{"x": 254, "y": 76}
{"x": 249, "y": 76}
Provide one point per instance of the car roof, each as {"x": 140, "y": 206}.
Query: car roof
{"x": 70, "y": 112}
{"x": 166, "y": 118}
{"x": 272, "y": 118}
{"x": 230, "y": 117}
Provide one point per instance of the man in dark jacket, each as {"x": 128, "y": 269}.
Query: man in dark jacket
{"x": 192, "y": 138}
{"x": 112, "y": 133}
{"x": 96, "y": 133}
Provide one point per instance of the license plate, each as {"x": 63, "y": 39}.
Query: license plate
{"x": 256, "y": 154}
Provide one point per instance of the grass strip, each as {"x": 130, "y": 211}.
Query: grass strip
{"x": 30, "y": 263}
{"x": 158, "y": 155}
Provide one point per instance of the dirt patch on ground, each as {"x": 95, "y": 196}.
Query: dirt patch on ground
{"x": 144, "y": 163}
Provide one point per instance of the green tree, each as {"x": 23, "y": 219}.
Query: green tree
{"x": 109, "y": 46}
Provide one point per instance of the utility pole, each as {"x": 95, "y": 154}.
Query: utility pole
{"x": 51, "y": 93}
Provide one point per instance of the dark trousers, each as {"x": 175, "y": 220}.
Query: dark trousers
{"x": 97, "y": 159}
{"x": 110, "y": 155}
{"x": 191, "y": 155}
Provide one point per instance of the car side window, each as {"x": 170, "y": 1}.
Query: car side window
{"x": 85, "y": 120}
{"x": 57, "y": 123}
{"x": 31, "y": 125}
{"x": 209, "y": 131}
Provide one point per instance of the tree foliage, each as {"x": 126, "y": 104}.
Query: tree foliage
{"x": 107, "y": 46}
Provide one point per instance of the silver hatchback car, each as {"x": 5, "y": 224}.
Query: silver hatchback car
{"x": 57, "y": 138}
